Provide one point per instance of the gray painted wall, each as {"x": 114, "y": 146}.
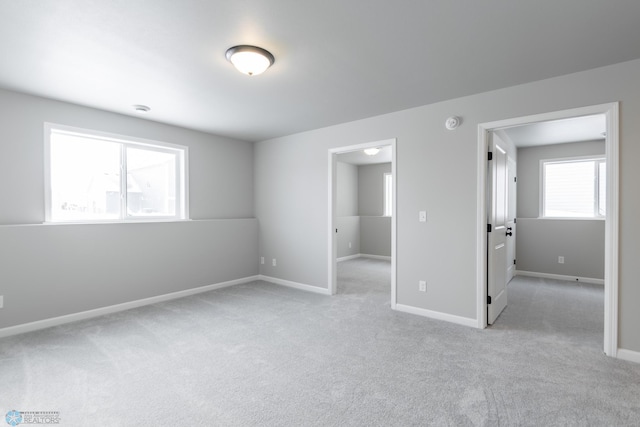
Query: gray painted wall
{"x": 359, "y": 199}
{"x": 348, "y": 232}
{"x": 539, "y": 242}
{"x": 375, "y": 230}
{"x": 293, "y": 212}
{"x": 375, "y": 235}
{"x": 214, "y": 162}
{"x": 53, "y": 270}
{"x": 347, "y": 209}
{"x": 347, "y": 189}
{"x": 371, "y": 189}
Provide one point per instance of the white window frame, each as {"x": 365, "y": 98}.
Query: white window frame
{"x": 387, "y": 195}
{"x": 598, "y": 159}
{"x": 182, "y": 173}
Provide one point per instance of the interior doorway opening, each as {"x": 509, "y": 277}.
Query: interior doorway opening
{"x": 609, "y": 113}
{"x": 350, "y": 245}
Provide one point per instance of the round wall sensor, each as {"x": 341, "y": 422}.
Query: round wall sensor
{"x": 452, "y": 122}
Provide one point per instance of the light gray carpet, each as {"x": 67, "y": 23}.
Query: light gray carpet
{"x": 265, "y": 355}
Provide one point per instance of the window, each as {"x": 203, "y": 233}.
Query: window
{"x": 93, "y": 176}
{"x": 574, "y": 188}
{"x": 388, "y": 194}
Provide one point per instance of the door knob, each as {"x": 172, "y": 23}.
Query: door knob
{"x": 509, "y": 233}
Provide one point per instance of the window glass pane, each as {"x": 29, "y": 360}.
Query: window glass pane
{"x": 105, "y": 177}
{"x": 85, "y": 178}
{"x": 569, "y": 189}
{"x": 388, "y": 194}
{"x": 151, "y": 183}
{"x": 602, "y": 189}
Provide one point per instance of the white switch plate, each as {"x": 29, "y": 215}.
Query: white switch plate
{"x": 560, "y": 260}
{"x": 1, "y": 301}
{"x": 273, "y": 262}
{"x": 349, "y": 245}
{"x": 422, "y": 216}
{"x": 422, "y": 286}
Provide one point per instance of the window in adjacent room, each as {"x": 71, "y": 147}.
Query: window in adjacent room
{"x": 93, "y": 176}
{"x": 573, "y": 188}
{"x": 388, "y": 194}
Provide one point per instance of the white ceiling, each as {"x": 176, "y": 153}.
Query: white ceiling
{"x": 336, "y": 60}
{"x": 359, "y": 158}
{"x": 578, "y": 129}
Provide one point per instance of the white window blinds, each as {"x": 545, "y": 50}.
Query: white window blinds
{"x": 574, "y": 188}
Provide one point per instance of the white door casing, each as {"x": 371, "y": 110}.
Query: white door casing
{"x": 332, "y": 230}
{"x": 497, "y": 230}
{"x": 611, "y": 269}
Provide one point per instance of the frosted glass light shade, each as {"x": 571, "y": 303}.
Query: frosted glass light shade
{"x": 250, "y": 60}
{"x": 371, "y": 151}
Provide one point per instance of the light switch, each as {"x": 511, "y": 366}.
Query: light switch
{"x": 422, "y": 216}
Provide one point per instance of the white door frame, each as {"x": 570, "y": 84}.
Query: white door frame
{"x": 611, "y": 222}
{"x": 332, "y": 237}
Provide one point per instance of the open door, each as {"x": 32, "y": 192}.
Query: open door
{"x": 498, "y": 229}
{"x": 511, "y": 218}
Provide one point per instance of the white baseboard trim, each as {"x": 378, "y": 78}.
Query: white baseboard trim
{"x": 347, "y": 258}
{"x": 296, "y": 285}
{"x": 465, "y": 321}
{"x": 88, "y": 314}
{"x": 560, "y": 277}
{"x": 380, "y": 257}
{"x": 628, "y": 355}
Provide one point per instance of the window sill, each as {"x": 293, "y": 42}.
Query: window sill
{"x": 136, "y": 221}
{"x": 564, "y": 218}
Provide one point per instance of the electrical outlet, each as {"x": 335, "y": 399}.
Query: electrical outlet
{"x": 560, "y": 260}
{"x": 1, "y": 301}
{"x": 273, "y": 262}
{"x": 349, "y": 245}
{"x": 422, "y": 286}
{"x": 422, "y": 216}
{"x": 261, "y": 260}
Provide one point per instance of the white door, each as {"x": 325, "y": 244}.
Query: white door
{"x": 497, "y": 229}
{"x": 511, "y": 218}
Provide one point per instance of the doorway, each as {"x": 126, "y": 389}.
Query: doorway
{"x": 610, "y": 112}
{"x": 334, "y": 229}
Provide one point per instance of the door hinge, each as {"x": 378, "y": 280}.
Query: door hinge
{"x": 514, "y": 262}
{"x": 488, "y": 299}
{"x": 514, "y": 220}
{"x": 488, "y": 228}
{"x": 336, "y": 230}
{"x": 515, "y": 179}
{"x": 490, "y": 155}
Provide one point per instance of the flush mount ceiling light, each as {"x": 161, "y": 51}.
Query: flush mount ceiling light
{"x": 371, "y": 151}
{"x": 250, "y": 60}
{"x": 141, "y": 109}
